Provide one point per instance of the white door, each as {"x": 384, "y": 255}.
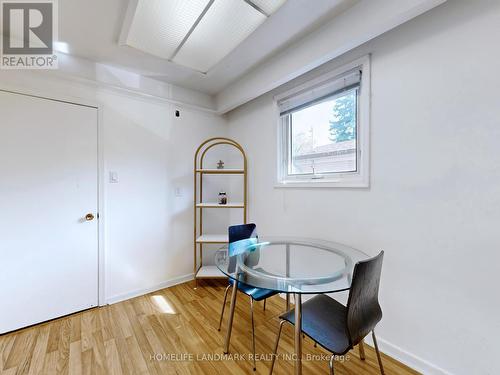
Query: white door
{"x": 48, "y": 184}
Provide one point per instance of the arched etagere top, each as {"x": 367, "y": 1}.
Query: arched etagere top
{"x": 200, "y": 238}
{"x": 210, "y": 143}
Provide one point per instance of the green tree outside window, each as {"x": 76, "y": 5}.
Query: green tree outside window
{"x": 343, "y": 124}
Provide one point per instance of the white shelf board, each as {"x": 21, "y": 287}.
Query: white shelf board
{"x": 217, "y": 205}
{"x": 209, "y": 272}
{"x": 213, "y": 238}
{"x": 221, "y": 171}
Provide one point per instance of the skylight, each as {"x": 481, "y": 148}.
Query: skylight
{"x": 195, "y": 33}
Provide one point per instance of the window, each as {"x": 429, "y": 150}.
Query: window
{"x": 323, "y": 130}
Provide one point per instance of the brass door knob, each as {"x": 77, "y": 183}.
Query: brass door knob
{"x": 89, "y": 217}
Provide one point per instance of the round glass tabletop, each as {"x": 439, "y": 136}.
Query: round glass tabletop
{"x": 291, "y": 265}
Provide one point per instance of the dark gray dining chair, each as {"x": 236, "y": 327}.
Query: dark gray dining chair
{"x": 339, "y": 328}
{"x": 239, "y": 236}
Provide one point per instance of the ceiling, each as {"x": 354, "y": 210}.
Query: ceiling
{"x": 91, "y": 29}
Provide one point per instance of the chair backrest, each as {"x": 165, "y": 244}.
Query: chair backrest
{"x": 242, "y": 232}
{"x": 241, "y": 237}
{"x": 363, "y": 308}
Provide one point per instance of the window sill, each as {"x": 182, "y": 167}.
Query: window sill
{"x": 322, "y": 184}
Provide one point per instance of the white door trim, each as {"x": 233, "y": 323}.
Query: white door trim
{"x": 101, "y": 298}
{"x": 101, "y": 185}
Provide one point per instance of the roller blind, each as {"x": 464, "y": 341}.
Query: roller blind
{"x": 320, "y": 92}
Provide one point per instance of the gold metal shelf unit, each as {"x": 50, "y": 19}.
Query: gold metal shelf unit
{"x": 200, "y": 270}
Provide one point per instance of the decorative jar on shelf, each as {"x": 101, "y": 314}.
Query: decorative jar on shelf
{"x": 222, "y": 197}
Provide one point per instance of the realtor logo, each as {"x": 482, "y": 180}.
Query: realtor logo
{"x": 28, "y": 34}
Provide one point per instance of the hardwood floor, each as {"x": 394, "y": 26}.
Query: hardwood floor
{"x": 172, "y": 331}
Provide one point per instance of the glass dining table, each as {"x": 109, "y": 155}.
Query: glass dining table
{"x": 290, "y": 266}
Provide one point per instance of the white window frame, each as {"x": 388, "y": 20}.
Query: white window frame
{"x": 358, "y": 179}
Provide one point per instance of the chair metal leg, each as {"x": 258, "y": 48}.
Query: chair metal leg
{"x": 378, "y": 353}
{"x": 265, "y": 304}
{"x": 223, "y": 307}
{"x": 253, "y": 333}
{"x": 361, "y": 348}
{"x": 276, "y": 346}
{"x": 332, "y": 369}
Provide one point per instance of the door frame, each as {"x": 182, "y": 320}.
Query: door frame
{"x": 68, "y": 99}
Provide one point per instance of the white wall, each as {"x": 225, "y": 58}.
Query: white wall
{"x": 433, "y": 204}
{"x": 365, "y": 20}
{"x": 148, "y": 229}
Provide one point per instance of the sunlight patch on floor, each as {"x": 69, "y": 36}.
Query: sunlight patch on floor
{"x": 162, "y": 304}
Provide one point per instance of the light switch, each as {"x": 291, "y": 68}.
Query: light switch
{"x": 178, "y": 192}
{"x": 113, "y": 177}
